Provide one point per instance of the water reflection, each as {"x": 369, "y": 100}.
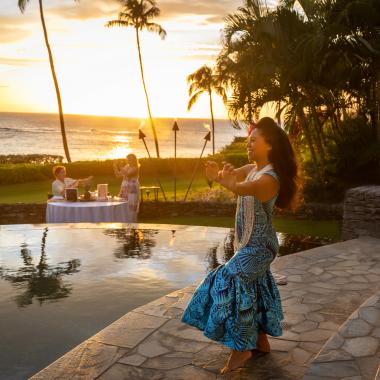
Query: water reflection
{"x": 290, "y": 243}
{"x": 41, "y": 281}
{"x": 135, "y": 243}
{"x": 220, "y": 253}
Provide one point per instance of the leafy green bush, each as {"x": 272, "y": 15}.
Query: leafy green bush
{"x": 352, "y": 159}
{"x": 30, "y": 159}
{"x": 19, "y": 173}
{"x": 234, "y": 153}
{"x": 214, "y": 195}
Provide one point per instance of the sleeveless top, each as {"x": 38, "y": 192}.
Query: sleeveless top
{"x": 262, "y": 232}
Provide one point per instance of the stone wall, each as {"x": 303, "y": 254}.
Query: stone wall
{"x": 170, "y": 209}
{"x": 361, "y": 212}
{"x": 315, "y": 211}
{"x": 22, "y": 213}
{"x": 311, "y": 211}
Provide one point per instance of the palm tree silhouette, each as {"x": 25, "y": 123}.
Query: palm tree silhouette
{"x": 136, "y": 244}
{"x": 42, "y": 281}
{"x": 22, "y": 5}
{"x": 226, "y": 252}
{"x": 138, "y": 14}
{"x": 201, "y": 81}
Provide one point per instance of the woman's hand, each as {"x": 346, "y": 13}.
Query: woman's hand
{"x": 228, "y": 177}
{"x": 116, "y": 169}
{"x": 212, "y": 170}
{"x": 228, "y": 169}
{"x": 87, "y": 180}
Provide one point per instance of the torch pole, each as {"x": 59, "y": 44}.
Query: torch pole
{"x": 142, "y": 137}
{"x": 175, "y": 129}
{"x": 207, "y": 139}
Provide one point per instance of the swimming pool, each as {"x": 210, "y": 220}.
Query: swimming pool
{"x": 61, "y": 284}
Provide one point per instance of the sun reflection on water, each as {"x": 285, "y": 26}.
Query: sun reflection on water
{"x": 120, "y": 151}
{"x": 122, "y": 139}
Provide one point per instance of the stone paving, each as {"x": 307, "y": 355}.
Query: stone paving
{"x": 325, "y": 286}
{"x": 354, "y": 351}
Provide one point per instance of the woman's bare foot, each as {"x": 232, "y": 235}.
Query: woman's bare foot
{"x": 236, "y": 360}
{"x": 263, "y": 343}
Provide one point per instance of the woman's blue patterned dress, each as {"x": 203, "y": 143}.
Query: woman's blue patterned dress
{"x": 239, "y": 299}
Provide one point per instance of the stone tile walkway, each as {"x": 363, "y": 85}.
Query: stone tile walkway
{"x": 355, "y": 350}
{"x": 325, "y": 286}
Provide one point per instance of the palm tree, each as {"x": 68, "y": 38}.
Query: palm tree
{"x": 204, "y": 80}
{"x": 22, "y": 5}
{"x": 41, "y": 281}
{"x": 138, "y": 14}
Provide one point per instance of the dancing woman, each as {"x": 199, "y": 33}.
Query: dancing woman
{"x": 130, "y": 186}
{"x": 238, "y": 303}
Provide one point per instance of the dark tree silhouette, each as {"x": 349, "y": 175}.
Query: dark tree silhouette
{"x": 41, "y": 281}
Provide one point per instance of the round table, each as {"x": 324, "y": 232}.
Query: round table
{"x": 88, "y": 212}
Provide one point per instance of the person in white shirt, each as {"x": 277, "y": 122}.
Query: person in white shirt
{"x": 62, "y": 182}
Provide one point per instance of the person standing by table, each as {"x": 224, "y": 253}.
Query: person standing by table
{"x": 62, "y": 182}
{"x": 130, "y": 186}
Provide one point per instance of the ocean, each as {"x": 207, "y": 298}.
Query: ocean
{"x": 104, "y": 137}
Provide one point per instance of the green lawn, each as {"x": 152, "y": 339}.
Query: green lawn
{"x": 36, "y": 192}
{"x": 322, "y": 228}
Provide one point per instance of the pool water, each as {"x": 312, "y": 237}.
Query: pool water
{"x": 60, "y": 285}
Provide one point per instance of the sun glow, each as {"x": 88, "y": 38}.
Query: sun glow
{"x": 118, "y": 152}
{"x": 122, "y": 139}
{"x": 98, "y": 68}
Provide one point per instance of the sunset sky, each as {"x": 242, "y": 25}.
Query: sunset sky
{"x": 98, "y": 67}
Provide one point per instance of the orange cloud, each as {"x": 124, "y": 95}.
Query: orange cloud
{"x": 18, "y": 62}
{"x": 13, "y": 28}
{"x": 86, "y": 9}
{"x": 214, "y": 11}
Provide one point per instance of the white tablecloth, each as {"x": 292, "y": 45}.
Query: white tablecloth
{"x": 88, "y": 212}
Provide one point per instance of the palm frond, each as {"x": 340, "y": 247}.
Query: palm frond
{"x": 22, "y": 5}
{"x": 194, "y": 98}
{"x": 152, "y": 12}
{"x": 155, "y": 28}
{"x": 120, "y": 23}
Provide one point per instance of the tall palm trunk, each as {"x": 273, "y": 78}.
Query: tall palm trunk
{"x": 250, "y": 111}
{"x": 309, "y": 140}
{"x": 318, "y": 133}
{"x": 146, "y": 95}
{"x": 212, "y": 123}
{"x": 61, "y": 119}
{"x": 279, "y": 112}
{"x": 377, "y": 106}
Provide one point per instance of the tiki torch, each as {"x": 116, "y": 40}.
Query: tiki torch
{"x": 175, "y": 129}
{"x": 206, "y": 138}
{"x": 142, "y": 137}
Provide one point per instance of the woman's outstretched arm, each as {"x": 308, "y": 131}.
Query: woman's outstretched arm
{"x": 264, "y": 188}
{"x": 116, "y": 170}
{"x": 212, "y": 170}
{"x": 243, "y": 171}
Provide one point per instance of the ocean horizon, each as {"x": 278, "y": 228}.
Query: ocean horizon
{"x": 108, "y": 137}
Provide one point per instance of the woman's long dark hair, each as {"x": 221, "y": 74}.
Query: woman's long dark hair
{"x": 283, "y": 159}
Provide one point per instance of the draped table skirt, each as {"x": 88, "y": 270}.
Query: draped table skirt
{"x": 88, "y": 212}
